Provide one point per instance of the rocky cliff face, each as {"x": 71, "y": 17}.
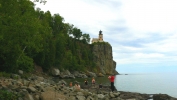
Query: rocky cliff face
{"x": 104, "y": 59}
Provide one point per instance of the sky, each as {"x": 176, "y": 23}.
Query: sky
{"x": 142, "y": 33}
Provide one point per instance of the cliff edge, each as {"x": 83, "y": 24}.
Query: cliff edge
{"x": 102, "y": 55}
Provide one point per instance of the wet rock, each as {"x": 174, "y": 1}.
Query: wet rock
{"x": 163, "y": 97}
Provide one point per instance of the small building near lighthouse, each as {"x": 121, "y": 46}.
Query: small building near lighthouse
{"x": 99, "y": 39}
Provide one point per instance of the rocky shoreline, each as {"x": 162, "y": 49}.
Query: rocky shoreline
{"x": 40, "y": 88}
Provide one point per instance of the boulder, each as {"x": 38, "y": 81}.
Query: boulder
{"x": 79, "y": 75}
{"x": 51, "y": 95}
{"x": 55, "y": 71}
{"x": 79, "y": 97}
{"x": 31, "y": 89}
{"x": 100, "y": 96}
{"x": 161, "y": 97}
{"x": 62, "y": 82}
{"x": 28, "y": 97}
{"x": 15, "y": 76}
{"x": 66, "y": 74}
{"x": 90, "y": 98}
{"x": 91, "y": 74}
{"x": 100, "y": 75}
{"x": 20, "y": 72}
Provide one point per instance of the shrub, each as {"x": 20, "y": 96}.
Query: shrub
{"x": 4, "y": 74}
{"x": 6, "y": 95}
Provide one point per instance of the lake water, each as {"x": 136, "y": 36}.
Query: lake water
{"x": 164, "y": 83}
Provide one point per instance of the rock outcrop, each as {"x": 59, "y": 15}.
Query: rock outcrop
{"x": 103, "y": 58}
{"x": 46, "y": 89}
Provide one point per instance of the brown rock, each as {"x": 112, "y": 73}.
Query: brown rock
{"x": 51, "y": 95}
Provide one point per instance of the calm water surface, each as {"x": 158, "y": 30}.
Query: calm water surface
{"x": 165, "y": 83}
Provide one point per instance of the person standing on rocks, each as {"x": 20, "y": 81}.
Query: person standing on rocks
{"x": 100, "y": 86}
{"x": 86, "y": 82}
{"x": 112, "y": 78}
{"x": 77, "y": 86}
{"x": 71, "y": 84}
{"x": 93, "y": 81}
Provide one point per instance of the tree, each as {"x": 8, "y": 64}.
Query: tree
{"x": 19, "y": 32}
{"x": 76, "y": 33}
{"x": 57, "y": 24}
{"x": 46, "y": 34}
{"x": 29, "y": 36}
{"x": 86, "y": 38}
{"x": 69, "y": 28}
{"x": 40, "y": 1}
{"x": 60, "y": 48}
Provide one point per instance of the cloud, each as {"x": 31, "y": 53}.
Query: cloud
{"x": 141, "y": 32}
{"x": 90, "y": 16}
{"x": 150, "y": 15}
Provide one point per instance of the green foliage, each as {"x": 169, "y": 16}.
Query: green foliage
{"x": 86, "y": 38}
{"x": 98, "y": 43}
{"x": 25, "y": 75}
{"x": 16, "y": 77}
{"x": 6, "y": 95}
{"x": 4, "y": 74}
{"x": 25, "y": 63}
{"x": 20, "y": 31}
{"x": 76, "y": 33}
{"x": 30, "y": 36}
{"x": 41, "y": 1}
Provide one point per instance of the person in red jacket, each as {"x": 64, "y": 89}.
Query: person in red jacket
{"x": 112, "y": 78}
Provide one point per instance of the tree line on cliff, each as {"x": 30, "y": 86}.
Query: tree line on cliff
{"x": 29, "y": 35}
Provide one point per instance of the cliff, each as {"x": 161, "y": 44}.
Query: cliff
{"x": 102, "y": 55}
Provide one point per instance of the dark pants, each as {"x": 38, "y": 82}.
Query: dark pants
{"x": 112, "y": 86}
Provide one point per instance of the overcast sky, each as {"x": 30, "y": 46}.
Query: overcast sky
{"x": 143, "y": 33}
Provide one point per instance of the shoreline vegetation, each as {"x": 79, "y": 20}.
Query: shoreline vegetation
{"x": 36, "y": 87}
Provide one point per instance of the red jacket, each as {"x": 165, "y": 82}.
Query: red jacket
{"x": 112, "y": 78}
